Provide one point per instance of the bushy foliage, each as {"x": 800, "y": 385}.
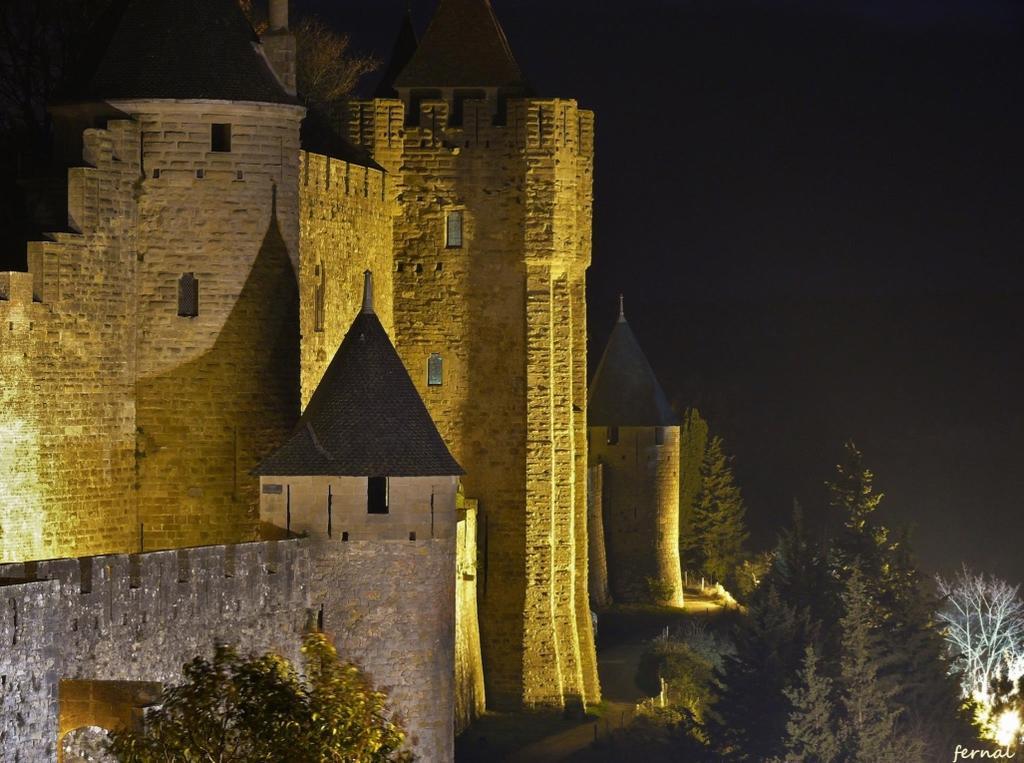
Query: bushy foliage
{"x": 235, "y": 708}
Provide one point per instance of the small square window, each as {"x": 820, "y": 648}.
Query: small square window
{"x": 435, "y": 370}
{"x": 453, "y": 230}
{"x": 220, "y": 137}
{"x": 377, "y": 495}
{"x": 613, "y": 435}
{"x": 188, "y": 295}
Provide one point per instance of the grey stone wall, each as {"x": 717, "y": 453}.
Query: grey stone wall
{"x": 390, "y": 607}
{"x": 136, "y": 618}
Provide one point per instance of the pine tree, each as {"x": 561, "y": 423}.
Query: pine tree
{"x": 869, "y": 726}
{"x": 748, "y": 720}
{"x": 719, "y": 517}
{"x": 852, "y": 495}
{"x": 693, "y": 440}
{"x": 811, "y": 735}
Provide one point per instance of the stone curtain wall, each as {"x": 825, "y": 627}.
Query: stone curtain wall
{"x": 640, "y": 504}
{"x": 469, "y": 670}
{"x": 345, "y": 227}
{"x": 67, "y": 413}
{"x": 218, "y": 391}
{"x": 599, "y": 595}
{"x": 390, "y": 607}
{"x": 136, "y": 618}
{"x": 506, "y": 312}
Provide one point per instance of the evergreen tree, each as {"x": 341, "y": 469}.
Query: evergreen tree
{"x": 811, "y": 735}
{"x": 861, "y": 541}
{"x": 693, "y": 440}
{"x": 869, "y": 726}
{"x": 748, "y": 719}
{"x": 719, "y": 517}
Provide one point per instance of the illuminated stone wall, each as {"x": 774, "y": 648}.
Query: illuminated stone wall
{"x": 599, "y": 593}
{"x": 137, "y": 618}
{"x": 218, "y": 391}
{"x": 345, "y": 227}
{"x": 640, "y": 505}
{"x": 506, "y": 313}
{"x": 67, "y": 367}
{"x": 470, "y": 697}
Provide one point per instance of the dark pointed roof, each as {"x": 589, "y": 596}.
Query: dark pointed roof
{"x": 366, "y": 418}
{"x": 401, "y": 53}
{"x": 464, "y": 46}
{"x": 181, "y": 49}
{"x": 625, "y": 392}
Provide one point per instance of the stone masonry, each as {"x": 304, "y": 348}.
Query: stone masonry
{"x": 506, "y": 314}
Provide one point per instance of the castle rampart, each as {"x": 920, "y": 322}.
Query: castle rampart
{"x": 137, "y": 618}
{"x": 345, "y": 216}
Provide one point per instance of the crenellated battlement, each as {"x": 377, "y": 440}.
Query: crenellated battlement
{"x": 527, "y": 124}
{"x": 337, "y": 179}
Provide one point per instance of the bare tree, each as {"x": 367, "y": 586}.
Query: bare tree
{"x": 984, "y": 625}
{"x": 327, "y": 69}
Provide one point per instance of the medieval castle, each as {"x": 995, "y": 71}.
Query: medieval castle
{"x": 429, "y": 509}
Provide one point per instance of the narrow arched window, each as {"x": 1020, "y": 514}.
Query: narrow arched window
{"x": 659, "y": 435}
{"x": 453, "y": 230}
{"x": 613, "y": 435}
{"x": 435, "y": 370}
{"x": 188, "y": 295}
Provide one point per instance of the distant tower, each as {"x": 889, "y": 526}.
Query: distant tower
{"x": 634, "y": 436}
{"x": 491, "y": 249}
{"x": 214, "y": 253}
{"x": 366, "y": 476}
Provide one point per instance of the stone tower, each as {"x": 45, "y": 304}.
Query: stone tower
{"x": 215, "y": 255}
{"x": 368, "y": 479}
{"x": 494, "y": 187}
{"x": 634, "y": 439}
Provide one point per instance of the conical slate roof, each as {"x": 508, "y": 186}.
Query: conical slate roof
{"x": 402, "y": 52}
{"x": 464, "y": 46}
{"x": 180, "y": 49}
{"x": 365, "y": 418}
{"x": 625, "y": 392}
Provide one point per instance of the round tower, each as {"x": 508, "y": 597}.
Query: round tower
{"x": 634, "y": 444}
{"x": 367, "y": 478}
{"x": 214, "y": 254}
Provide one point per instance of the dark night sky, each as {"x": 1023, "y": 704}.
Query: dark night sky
{"x": 815, "y": 210}
{"x": 816, "y": 213}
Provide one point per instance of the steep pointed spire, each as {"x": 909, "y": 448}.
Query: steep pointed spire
{"x": 625, "y": 392}
{"x": 365, "y": 418}
{"x": 464, "y": 46}
{"x": 402, "y": 52}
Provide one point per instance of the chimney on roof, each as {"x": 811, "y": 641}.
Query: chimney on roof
{"x": 278, "y": 15}
{"x": 279, "y": 46}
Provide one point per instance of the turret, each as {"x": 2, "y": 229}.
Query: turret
{"x": 634, "y": 440}
{"x": 367, "y": 478}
